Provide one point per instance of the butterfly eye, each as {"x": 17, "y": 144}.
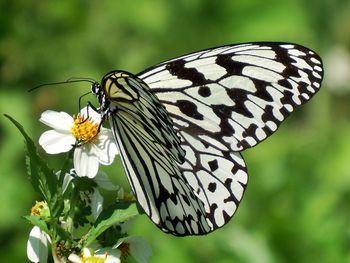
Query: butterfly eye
{"x": 95, "y": 88}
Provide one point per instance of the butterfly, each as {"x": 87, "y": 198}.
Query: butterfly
{"x": 180, "y": 125}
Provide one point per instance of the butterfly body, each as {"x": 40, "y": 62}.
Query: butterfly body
{"x": 180, "y": 125}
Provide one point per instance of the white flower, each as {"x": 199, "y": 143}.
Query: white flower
{"x": 37, "y": 250}
{"x": 94, "y": 146}
{"x": 103, "y": 255}
{"x": 135, "y": 246}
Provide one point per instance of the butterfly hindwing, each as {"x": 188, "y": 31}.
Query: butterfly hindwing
{"x": 217, "y": 177}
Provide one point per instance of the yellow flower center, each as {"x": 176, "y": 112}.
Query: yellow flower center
{"x": 124, "y": 249}
{"x": 84, "y": 130}
{"x": 93, "y": 259}
{"x": 37, "y": 208}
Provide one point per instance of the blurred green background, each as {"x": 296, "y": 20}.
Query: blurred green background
{"x": 296, "y": 207}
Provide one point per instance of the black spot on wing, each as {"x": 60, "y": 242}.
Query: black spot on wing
{"x": 204, "y": 91}
{"x": 178, "y": 69}
{"x": 224, "y": 113}
{"x": 232, "y": 67}
{"x": 189, "y": 109}
{"x": 212, "y": 187}
{"x": 213, "y": 165}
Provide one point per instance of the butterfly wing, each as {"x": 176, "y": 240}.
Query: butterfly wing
{"x": 220, "y": 101}
{"x": 225, "y": 100}
{"x": 235, "y": 96}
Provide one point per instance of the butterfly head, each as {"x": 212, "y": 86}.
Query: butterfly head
{"x": 101, "y": 96}
{"x": 96, "y": 88}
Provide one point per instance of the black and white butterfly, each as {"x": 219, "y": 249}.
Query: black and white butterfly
{"x": 180, "y": 125}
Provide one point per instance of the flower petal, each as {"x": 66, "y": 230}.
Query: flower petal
{"x": 85, "y": 161}
{"x": 87, "y": 252}
{"x": 68, "y": 177}
{"x": 89, "y": 112}
{"x": 37, "y": 250}
{"x": 56, "y": 142}
{"x": 113, "y": 255}
{"x": 74, "y": 258}
{"x": 112, "y": 259}
{"x": 96, "y": 204}
{"x": 105, "y": 147}
{"x": 57, "y": 120}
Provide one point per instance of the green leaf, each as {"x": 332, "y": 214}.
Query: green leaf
{"x": 42, "y": 178}
{"x": 114, "y": 214}
{"x": 37, "y": 221}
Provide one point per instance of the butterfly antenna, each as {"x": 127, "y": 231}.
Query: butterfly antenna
{"x": 70, "y": 80}
{"x": 73, "y": 79}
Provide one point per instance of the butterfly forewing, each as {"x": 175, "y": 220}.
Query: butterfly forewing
{"x": 236, "y": 95}
{"x": 180, "y": 125}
